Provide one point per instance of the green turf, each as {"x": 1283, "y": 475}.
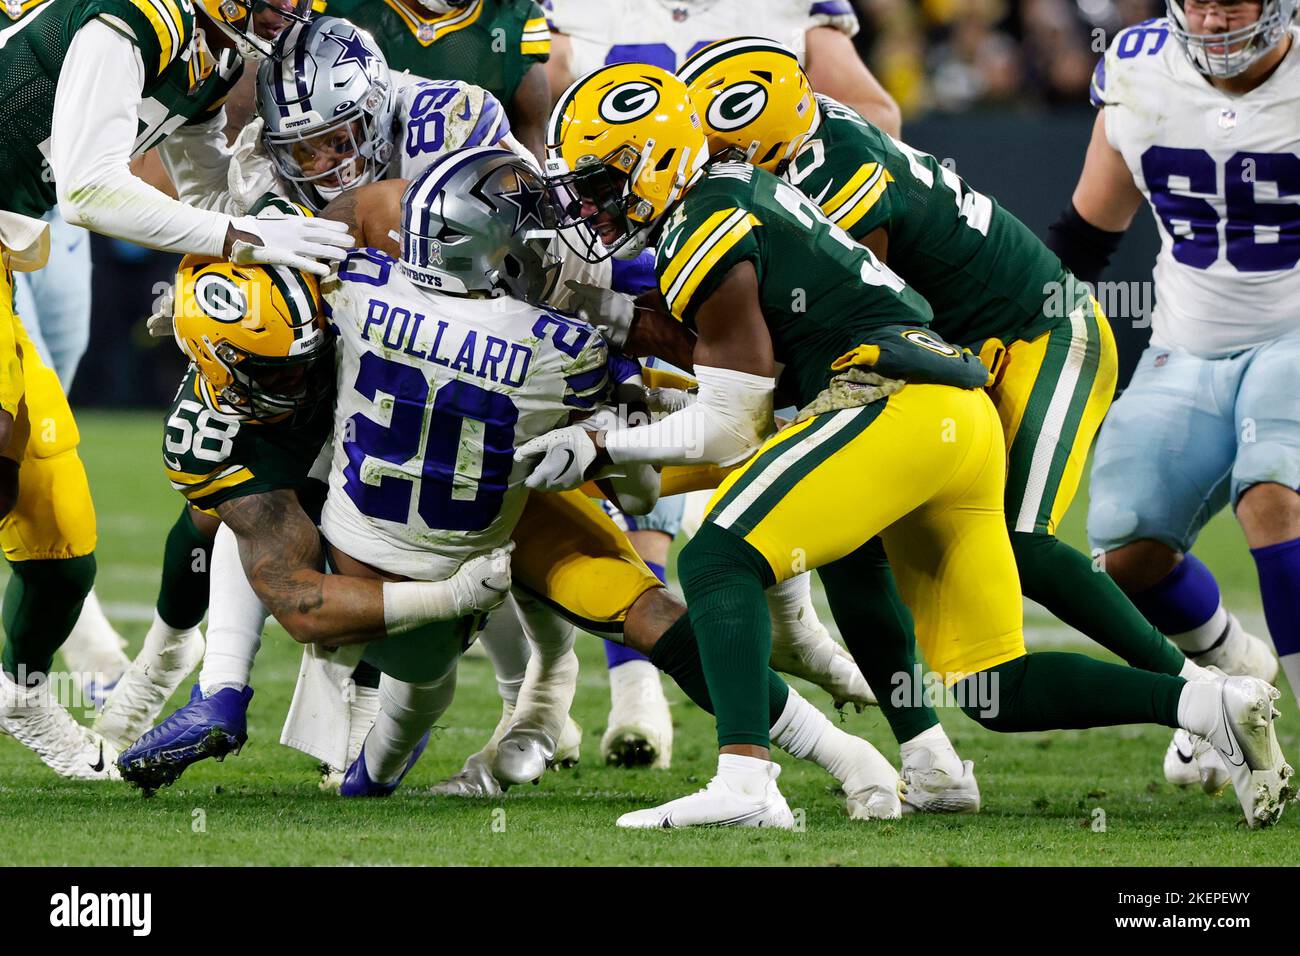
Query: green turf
{"x": 1042, "y": 792}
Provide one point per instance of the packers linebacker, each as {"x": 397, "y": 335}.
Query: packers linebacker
{"x": 993, "y": 286}
{"x": 69, "y": 138}
{"x": 895, "y": 438}
{"x": 251, "y": 415}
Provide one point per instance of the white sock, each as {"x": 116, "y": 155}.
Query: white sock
{"x": 748, "y": 775}
{"x": 406, "y": 713}
{"x": 1198, "y": 706}
{"x": 236, "y": 617}
{"x": 94, "y": 644}
{"x": 1193, "y": 671}
{"x": 791, "y": 606}
{"x": 507, "y": 648}
{"x": 805, "y": 732}
{"x": 1202, "y": 638}
{"x": 551, "y": 678}
{"x": 935, "y": 740}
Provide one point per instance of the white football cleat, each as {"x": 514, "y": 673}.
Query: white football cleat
{"x": 1241, "y": 654}
{"x": 1244, "y": 735}
{"x": 931, "y": 789}
{"x": 1191, "y": 760}
{"x": 640, "y": 730}
{"x": 43, "y": 725}
{"x": 149, "y": 682}
{"x": 1180, "y": 760}
{"x": 363, "y": 708}
{"x": 717, "y": 805}
{"x": 568, "y": 749}
{"x": 474, "y": 780}
{"x": 874, "y": 803}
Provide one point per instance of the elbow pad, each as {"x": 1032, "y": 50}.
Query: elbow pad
{"x": 728, "y": 421}
{"x": 1082, "y": 248}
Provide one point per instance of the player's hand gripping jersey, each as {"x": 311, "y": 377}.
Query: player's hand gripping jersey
{"x": 1222, "y": 174}
{"x": 434, "y": 393}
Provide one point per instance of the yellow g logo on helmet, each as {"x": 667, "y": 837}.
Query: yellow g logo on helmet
{"x": 753, "y": 97}
{"x": 623, "y": 143}
{"x": 252, "y": 332}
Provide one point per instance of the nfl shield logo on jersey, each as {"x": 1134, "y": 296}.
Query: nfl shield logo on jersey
{"x": 425, "y": 33}
{"x": 680, "y": 14}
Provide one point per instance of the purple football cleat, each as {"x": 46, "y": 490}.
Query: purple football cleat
{"x": 211, "y": 726}
{"x": 357, "y": 782}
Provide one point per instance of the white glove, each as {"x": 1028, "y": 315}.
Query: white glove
{"x": 252, "y": 173}
{"x": 609, "y": 311}
{"x": 558, "y": 460}
{"x": 479, "y": 584}
{"x": 482, "y": 583}
{"x": 296, "y": 241}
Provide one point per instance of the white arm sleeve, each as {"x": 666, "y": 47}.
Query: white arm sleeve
{"x": 726, "y": 424}
{"x": 197, "y": 159}
{"x": 93, "y": 133}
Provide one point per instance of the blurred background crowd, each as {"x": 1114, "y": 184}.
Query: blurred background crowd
{"x": 953, "y": 55}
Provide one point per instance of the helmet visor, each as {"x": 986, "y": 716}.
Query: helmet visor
{"x": 327, "y": 161}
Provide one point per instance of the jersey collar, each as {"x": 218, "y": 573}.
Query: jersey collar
{"x": 428, "y": 30}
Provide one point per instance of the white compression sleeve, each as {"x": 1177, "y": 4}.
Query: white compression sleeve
{"x": 725, "y": 424}
{"x": 236, "y": 617}
{"x": 406, "y": 713}
{"x": 93, "y": 134}
{"x": 506, "y": 646}
{"x": 412, "y": 604}
{"x": 197, "y": 159}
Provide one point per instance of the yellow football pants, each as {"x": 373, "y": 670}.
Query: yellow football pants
{"x": 571, "y": 555}
{"x": 54, "y": 516}
{"x": 1051, "y": 394}
{"x": 922, "y": 469}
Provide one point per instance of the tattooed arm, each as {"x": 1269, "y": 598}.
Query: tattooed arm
{"x": 284, "y": 559}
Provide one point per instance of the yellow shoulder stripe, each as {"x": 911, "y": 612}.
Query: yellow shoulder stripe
{"x": 168, "y": 26}
{"x": 858, "y": 195}
{"x": 536, "y": 38}
{"x": 702, "y": 253}
{"x": 196, "y": 485}
{"x": 685, "y": 250}
{"x": 428, "y": 30}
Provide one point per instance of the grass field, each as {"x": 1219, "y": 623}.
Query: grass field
{"x": 1041, "y": 791}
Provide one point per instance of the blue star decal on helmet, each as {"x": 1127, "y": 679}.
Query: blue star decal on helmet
{"x": 527, "y": 202}
{"x": 353, "y": 50}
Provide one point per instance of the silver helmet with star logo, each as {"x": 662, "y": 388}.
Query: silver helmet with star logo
{"x": 327, "y": 101}
{"x": 478, "y": 221}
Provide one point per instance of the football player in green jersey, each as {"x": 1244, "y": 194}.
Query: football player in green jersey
{"x": 500, "y": 45}
{"x": 993, "y": 286}
{"x": 885, "y": 445}
{"x": 69, "y": 138}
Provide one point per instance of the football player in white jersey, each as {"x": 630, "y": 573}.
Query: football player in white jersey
{"x": 586, "y": 34}
{"x": 1199, "y": 112}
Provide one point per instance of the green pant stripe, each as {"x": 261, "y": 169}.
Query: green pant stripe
{"x": 859, "y": 421}
{"x": 760, "y": 464}
{"x": 1053, "y": 416}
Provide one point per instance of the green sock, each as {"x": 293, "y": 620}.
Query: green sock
{"x": 41, "y": 604}
{"x": 878, "y": 631}
{"x": 723, "y": 579}
{"x": 183, "y": 596}
{"x": 1054, "y": 691}
{"x": 1064, "y": 581}
{"x": 677, "y": 654}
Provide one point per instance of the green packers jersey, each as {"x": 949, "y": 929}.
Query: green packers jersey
{"x": 184, "y": 83}
{"x": 490, "y": 43}
{"x": 983, "y": 271}
{"x": 212, "y": 458}
{"x": 823, "y": 295}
